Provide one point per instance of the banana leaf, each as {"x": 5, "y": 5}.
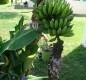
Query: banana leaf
{"x": 20, "y": 24}
{"x": 22, "y": 38}
{"x": 2, "y": 75}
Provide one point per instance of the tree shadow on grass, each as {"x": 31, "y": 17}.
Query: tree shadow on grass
{"x": 40, "y": 68}
{"x": 73, "y": 68}
{"x": 74, "y": 65}
{"x": 8, "y": 15}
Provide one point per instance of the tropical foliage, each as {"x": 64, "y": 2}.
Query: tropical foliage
{"x": 4, "y": 1}
{"x": 16, "y": 55}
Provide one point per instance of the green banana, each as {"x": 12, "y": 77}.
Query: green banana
{"x": 44, "y": 21}
{"x": 69, "y": 12}
{"x": 64, "y": 6}
{"x": 56, "y": 1}
{"x": 65, "y": 22}
{"x": 50, "y": 8}
{"x": 53, "y": 32}
{"x": 55, "y": 9}
{"x": 45, "y": 10}
{"x": 70, "y": 27}
{"x": 59, "y": 2}
{"x": 61, "y": 23}
{"x": 40, "y": 6}
{"x": 45, "y": 31}
{"x": 59, "y": 10}
{"x": 67, "y": 8}
{"x": 59, "y": 31}
{"x": 46, "y": 26}
{"x": 63, "y": 15}
{"x": 52, "y": 24}
{"x": 56, "y": 24}
{"x": 49, "y": 31}
{"x": 41, "y": 27}
{"x": 46, "y": 2}
{"x": 55, "y": 15}
{"x": 64, "y": 29}
{"x": 68, "y": 23}
{"x": 68, "y": 34}
{"x": 70, "y": 17}
{"x": 41, "y": 15}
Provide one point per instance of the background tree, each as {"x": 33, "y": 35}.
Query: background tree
{"x": 11, "y": 2}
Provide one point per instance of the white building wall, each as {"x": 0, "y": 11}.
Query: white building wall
{"x": 79, "y": 7}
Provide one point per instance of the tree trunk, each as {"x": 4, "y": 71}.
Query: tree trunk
{"x": 34, "y": 21}
{"x": 11, "y": 2}
{"x": 15, "y": 1}
{"x": 55, "y": 61}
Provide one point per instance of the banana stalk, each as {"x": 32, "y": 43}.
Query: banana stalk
{"x": 58, "y": 17}
{"x": 55, "y": 61}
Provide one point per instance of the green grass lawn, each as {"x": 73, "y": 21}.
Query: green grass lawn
{"x": 9, "y": 17}
{"x": 74, "y": 55}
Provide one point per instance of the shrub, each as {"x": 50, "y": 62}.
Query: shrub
{"x": 4, "y": 1}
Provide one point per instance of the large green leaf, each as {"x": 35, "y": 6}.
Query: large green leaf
{"x": 18, "y": 27}
{"x": 21, "y": 39}
{"x": 20, "y": 24}
{"x": 28, "y": 52}
{"x": 28, "y": 62}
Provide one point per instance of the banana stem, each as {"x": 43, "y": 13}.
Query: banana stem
{"x": 58, "y": 38}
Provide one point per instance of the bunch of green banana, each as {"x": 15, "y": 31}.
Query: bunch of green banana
{"x": 55, "y": 17}
{"x": 52, "y": 32}
{"x": 52, "y": 24}
{"x": 45, "y": 24}
{"x": 52, "y": 8}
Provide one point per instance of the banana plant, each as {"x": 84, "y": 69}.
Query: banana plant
{"x": 18, "y": 53}
{"x": 54, "y": 17}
